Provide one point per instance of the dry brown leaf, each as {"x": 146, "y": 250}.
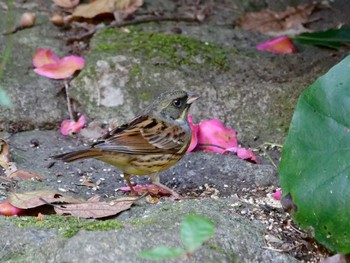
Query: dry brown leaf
{"x": 23, "y": 175}
{"x": 267, "y": 21}
{"x": 66, "y": 3}
{"x": 94, "y": 209}
{"x": 107, "y": 6}
{"x": 11, "y": 170}
{"x": 37, "y": 198}
{"x": 4, "y": 154}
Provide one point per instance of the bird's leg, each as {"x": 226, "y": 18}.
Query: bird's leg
{"x": 155, "y": 180}
{"x": 127, "y": 179}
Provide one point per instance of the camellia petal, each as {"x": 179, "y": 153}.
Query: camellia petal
{"x": 246, "y": 154}
{"x": 278, "y": 194}
{"x": 243, "y": 153}
{"x": 44, "y": 57}
{"x": 69, "y": 127}
{"x": 280, "y": 45}
{"x": 213, "y": 136}
{"x": 7, "y": 209}
{"x": 194, "y": 139}
{"x": 63, "y": 69}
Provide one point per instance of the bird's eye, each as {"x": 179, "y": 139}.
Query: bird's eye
{"x": 177, "y": 103}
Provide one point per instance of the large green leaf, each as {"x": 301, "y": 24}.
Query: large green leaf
{"x": 161, "y": 252}
{"x": 315, "y": 165}
{"x": 195, "y": 229}
{"x": 332, "y": 38}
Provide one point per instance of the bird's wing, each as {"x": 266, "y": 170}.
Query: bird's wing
{"x": 142, "y": 135}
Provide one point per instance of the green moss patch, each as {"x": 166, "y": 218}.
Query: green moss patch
{"x": 67, "y": 226}
{"x": 170, "y": 50}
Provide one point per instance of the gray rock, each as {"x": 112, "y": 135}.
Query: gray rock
{"x": 235, "y": 239}
{"x": 225, "y": 173}
{"x": 35, "y": 100}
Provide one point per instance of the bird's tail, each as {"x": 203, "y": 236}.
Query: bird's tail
{"x": 76, "y": 155}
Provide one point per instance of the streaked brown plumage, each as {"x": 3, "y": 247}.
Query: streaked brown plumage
{"x": 150, "y": 143}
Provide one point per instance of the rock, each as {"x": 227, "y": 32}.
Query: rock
{"x": 254, "y": 92}
{"x": 225, "y": 173}
{"x": 35, "y": 98}
{"x": 144, "y": 227}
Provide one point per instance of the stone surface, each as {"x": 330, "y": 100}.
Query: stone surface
{"x": 235, "y": 239}
{"x": 253, "y": 92}
{"x": 35, "y": 99}
{"x": 225, "y": 173}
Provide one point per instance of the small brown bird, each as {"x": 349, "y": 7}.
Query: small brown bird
{"x": 150, "y": 143}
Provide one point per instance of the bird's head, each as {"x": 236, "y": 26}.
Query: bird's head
{"x": 173, "y": 105}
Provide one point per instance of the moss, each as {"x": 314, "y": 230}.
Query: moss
{"x": 170, "y": 50}
{"x": 67, "y": 226}
{"x": 139, "y": 222}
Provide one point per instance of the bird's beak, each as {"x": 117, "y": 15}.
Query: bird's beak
{"x": 191, "y": 97}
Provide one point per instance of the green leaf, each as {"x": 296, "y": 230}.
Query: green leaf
{"x": 315, "y": 165}
{"x": 5, "y": 99}
{"x": 195, "y": 229}
{"x": 332, "y": 38}
{"x": 161, "y": 252}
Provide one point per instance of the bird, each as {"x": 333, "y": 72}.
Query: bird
{"x": 150, "y": 143}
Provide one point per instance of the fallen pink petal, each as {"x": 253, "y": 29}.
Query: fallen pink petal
{"x": 213, "y": 136}
{"x": 7, "y": 209}
{"x": 243, "y": 153}
{"x": 44, "y": 57}
{"x": 194, "y": 139}
{"x": 69, "y": 127}
{"x": 278, "y": 194}
{"x": 280, "y": 45}
{"x": 48, "y": 65}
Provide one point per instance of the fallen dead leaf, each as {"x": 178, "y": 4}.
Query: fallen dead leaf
{"x": 23, "y": 175}
{"x": 4, "y": 154}
{"x": 88, "y": 209}
{"x": 99, "y": 7}
{"x": 150, "y": 188}
{"x": 268, "y": 21}
{"x": 37, "y": 198}
{"x": 68, "y": 4}
{"x": 10, "y": 168}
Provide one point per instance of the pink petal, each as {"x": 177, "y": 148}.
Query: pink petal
{"x": 246, "y": 154}
{"x": 194, "y": 139}
{"x": 69, "y": 127}
{"x": 64, "y": 68}
{"x": 7, "y": 209}
{"x": 280, "y": 45}
{"x": 213, "y": 136}
{"x": 44, "y": 57}
{"x": 242, "y": 153}
{"x": 278, "y": 194}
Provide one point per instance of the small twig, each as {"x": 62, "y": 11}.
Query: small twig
{"x": 261, "y": 147}
{"x": 282, "y": 250}
{"x": 134, "y": 22}
{"x": 66, "y": 87}
{"x": 268, "y": 157}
